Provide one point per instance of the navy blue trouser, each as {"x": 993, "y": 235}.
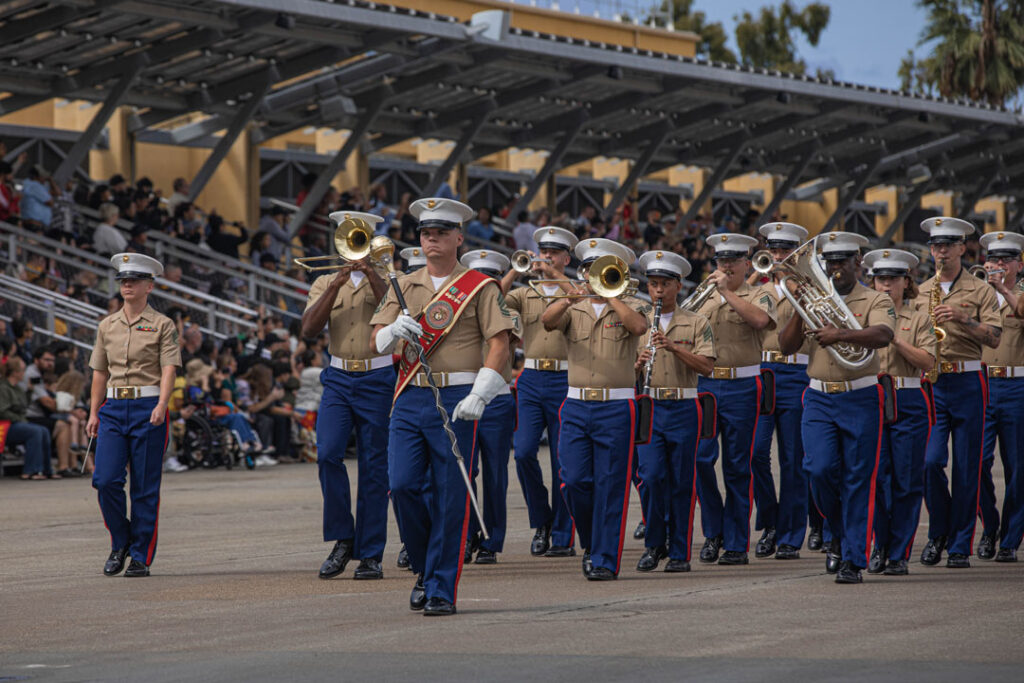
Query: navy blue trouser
{"x": 430, "y": 497}
{"x": 1004, "y": 421}
{"x": 357, "y": 401}
{"x": 960, "y": 403}
{"x": 900, "y": 487}
{"x": 842, "y": 436}
{"x": 539, "y": 395}
{"x": 787, "y": 513}
{"x": 739, "y": 402}
{"x": 127, "y": 441}
{"x": 493, "y": 443}
{"x": 595, "y": 451}
{"x": 668, "y": 476}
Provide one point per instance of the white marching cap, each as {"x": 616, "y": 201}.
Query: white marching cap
{"x": 664, "y": 264}
{"x": 437, "y": 212}
{"x": 339, "y": 216}
{"x": 130, "y": 266}
{"x": 413, "y": 257}
{"x": 945, "y": 229}
{"x": 589, "y": 249}
{"x": 731, "y": 245}
{"x": 550, "y": 237}
{"x": 840, "y": 245}
{"x": 890, "y": 262}
{"x": 997, "y": 242}
{"x": 486, "y": 260}
{"x": 784, "y": 232}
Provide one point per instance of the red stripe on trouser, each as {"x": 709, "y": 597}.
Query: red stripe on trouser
{"x": 465, "y": 520}
{"x": 750, "y": 460}
{"x": 156, "y": 522}
{"x": 981, "y": 456}
{"x": 629, "y": 480}
{"x": 874, "y": 475}
{"x": 693, "y": 487}
{"x": 929, "y": 411}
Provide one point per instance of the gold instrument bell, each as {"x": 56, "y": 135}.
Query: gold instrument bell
{"x": 608, "y": 277}
{"x": 352, "y": 241}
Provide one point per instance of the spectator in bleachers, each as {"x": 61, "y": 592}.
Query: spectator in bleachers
{"x": 99, "y": 196}
{"x": 120, "y": 190}
{"x": 179, "y": 195}
{"x": 23, "y": 332}
{"x": 36, "y": 439}
{"x": 71, "y": 406}
{"x": 107, "y": 239}
{"x": 481, "y": 225}
{"x": 272, "y": 422}
{"x": 273, "y": 223}
{"x": 408, "y": 223}
{"x": 147, "y": 212}
{"x": 224, "y": 242}
{"x": 9, "y": 197}
{"x": 307, "y": 181}
{"x": 37, "y": 199}
{"x": 187, "y": 224}
{"x": 192, "y": 344}
{"x": 38, "y": 382}
{"x": 378, "y": 205}
{"x": 523, "y": 234}
{"x": 586, "y": 217}
{"x": 259, "y": 244}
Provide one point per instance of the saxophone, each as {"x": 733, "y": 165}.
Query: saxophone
{"x": 935, "y": 299}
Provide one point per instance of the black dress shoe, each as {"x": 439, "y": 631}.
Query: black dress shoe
{"x": 712, "y": 546}
{"x": 932, "y": 553}
{"x": 677, "y": 566}
{"x": 848, "y": 573}
{"x": 733, "y": 557}
{"x": 336, "y": 561}
{"x": 1006, "y": 555}
{"x": 986, "y": 547}
{"x": 834, "y": 556}
{"x": 601, "y": 574}
{"x": 438, "y": 607}
{"x": 472, "y": 544}
{"x": 418, "y": 597}
{"x": 587, "y": 565}
{"x": 896, "y": 568}
{"x": 877, "y": 563}
{"x": 958, "y": 561}
{"x": 766, "y": 546}
{"x": 115, "y": 563}
{"x": 403, "y": 558}
{"x": 541, "y": 541}
{"x": 135, "y": 569}
{"x": 814, "y": 539}
{"x": 560, "y": 551}
{"x": 486, "y": 556}
{"x": 640, "y": 532}
{"x": 368, "y": 568}
{"x": 651, "y": 558}
{"x": 787, "y": 552}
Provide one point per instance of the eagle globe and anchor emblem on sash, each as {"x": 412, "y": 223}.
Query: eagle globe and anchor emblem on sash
{"x": 439, "y": 314}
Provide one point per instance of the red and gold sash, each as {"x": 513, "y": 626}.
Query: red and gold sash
{"x": 438, "y": 319}
{"x": 5, "y": 427}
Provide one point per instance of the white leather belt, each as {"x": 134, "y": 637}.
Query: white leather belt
{"x": 546, "y": 364}
{"x": 736, "y": 373}
{"x": 361, "y": 365}
{"x": 444, "y": 379}
{"x": 907, "y": 382}
{"x": 792, "y": 359}
{"x": 843, "y": 386}
{"x": 600, "y": 393}
{"x": 949, "y": 366}
{"x": 120, "y": 393}
{"x": 1006, "y": 371}
{"x": 673, "y": 393}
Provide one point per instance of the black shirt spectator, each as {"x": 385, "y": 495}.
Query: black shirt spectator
{"x": 224, "y": 242}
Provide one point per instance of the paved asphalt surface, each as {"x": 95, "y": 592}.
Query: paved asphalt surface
{"x": 234, "y": 597}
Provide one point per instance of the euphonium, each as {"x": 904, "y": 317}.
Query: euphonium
{"x": 352, "y": 240}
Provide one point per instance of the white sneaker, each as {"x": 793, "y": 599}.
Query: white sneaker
{"x": 265, "y": 461}
{"x": 172, "y": 464}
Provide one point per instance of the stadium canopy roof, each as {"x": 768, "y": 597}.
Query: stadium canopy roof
{"x": 390, "y": 74}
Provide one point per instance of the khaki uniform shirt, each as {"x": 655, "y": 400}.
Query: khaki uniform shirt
{"x": 869, "y": 308}
{"x": 1011, "y": 343}
{"x": 972, "y": 296}
{"x": 349, "y": 322}
{"x": 692, "y": 332}
{"x": 783, "y": 312}
{"x": 738, "y": 344}
{"x": 483, "y": 317}
{"x": 134, "y": 354}
{"x": 601, "y": 350}
{"x": 914, "y": 328}
{"x": 537, "y": 342}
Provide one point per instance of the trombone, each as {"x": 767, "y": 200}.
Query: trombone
{"x": 608, "y": 278}
{"x": 522, "y": 261}
{"x": 352, "y": 240}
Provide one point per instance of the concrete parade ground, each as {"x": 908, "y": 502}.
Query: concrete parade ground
{"x": 234, "y": 596}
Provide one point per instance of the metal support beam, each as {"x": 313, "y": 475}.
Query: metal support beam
{"x": 912, "y": 201}
{"x": 225, "y": 143}
{"x": 967, "y": 201}
{"x": 717, "y": 176}
{"x": 795, "y": 173}
{"x": 461, "y": 145}
{"x": 855, "y": 191}
{"x": 323, "y": 181}
{"x": 639, "y": 168}
{"x": 82, "y": 146}
{"x": 550, "y": 165}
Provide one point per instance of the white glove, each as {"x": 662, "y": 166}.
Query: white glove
{"x": 404, "y": 327}
{"x": 487, "y": 385}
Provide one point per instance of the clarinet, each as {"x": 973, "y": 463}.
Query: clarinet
{"x": 649, "y": 366}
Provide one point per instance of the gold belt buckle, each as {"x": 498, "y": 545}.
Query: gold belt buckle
{"x": 947, "y": 366}
{"x": 121, "y": 393}
{"x": 722, "y": 373}
{"x": 668, "y": 394}
{"x": 547, "y": 364}
{"x": 834, "y": 387}
{"x": 593, "y": 394}
{"x": 775, "y": 357}
{"x": 996, "y": 371}
{"x": 358, "y": 365}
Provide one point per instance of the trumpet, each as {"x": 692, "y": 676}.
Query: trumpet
{"x": 608, "y": 278}
{"x": 352, "y": 240}
{"x": 763, "y": 262}
{"x": 981, "y": 273}
{"x": 522, "y": 261}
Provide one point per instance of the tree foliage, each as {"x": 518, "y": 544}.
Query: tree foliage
{"x": 767, "y": 40}
{"x": 713, "y": 37}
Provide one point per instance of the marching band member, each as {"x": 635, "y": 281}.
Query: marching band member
{"x": 540, "y": 391}
{"x": 667, "y": 465}
{"x": 598, "y": 417}
{"x": 414, "y": 259}
{"x": 784, "y": 519}
{"x": 134, "y": 362}
{"x": 740, "y": 314}
{"x": 842, "y": 419}
{"x": 453, "y": 311}
{"x": 357, "y": 397}
{"x": 1004, "y": 418}
{"x": 900, "y": 487}
{"x": 968, "y": 311}
{"x": 494, "y": 437}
